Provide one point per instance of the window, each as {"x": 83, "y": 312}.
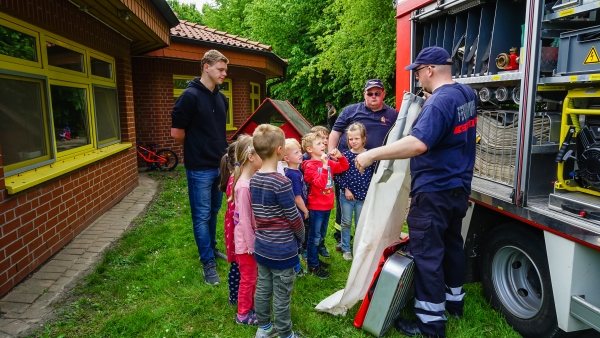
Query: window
{"x": 59, "y": 99}
{"x": 180, "y": 83}
{"x": 254, "y": 96}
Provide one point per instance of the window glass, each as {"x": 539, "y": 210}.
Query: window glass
{"x": 70, "y": 116}
{"x": 22, "y": 130}
{"x": 255, "y": 88}
{"x": 225, "y": 86}
{"x": 17, "y": 44}
{"x": 107, "y": 115}
{"x": 64, "y": 58}
{"x": 101, "y": 68}
{"x": 181, "y": 83}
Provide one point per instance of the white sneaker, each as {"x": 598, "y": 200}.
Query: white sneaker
{"x": 347, "y": 255}
{"x": 260, "y": 333}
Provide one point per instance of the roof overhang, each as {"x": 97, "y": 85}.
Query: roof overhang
{"x": 146, "y": 23}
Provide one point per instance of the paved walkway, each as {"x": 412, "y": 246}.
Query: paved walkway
{"x": 24, "y": 308}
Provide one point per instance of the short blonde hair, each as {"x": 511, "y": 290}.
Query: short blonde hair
{"x": 308, "y": 139}
{"x": 292, "y": 142}
{"x": 211, "y": 57}
{"x": 320, "y": 131}
{"x": 266, "y": 138}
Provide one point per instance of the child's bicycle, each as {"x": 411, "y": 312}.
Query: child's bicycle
{"x": 164, "y": 159}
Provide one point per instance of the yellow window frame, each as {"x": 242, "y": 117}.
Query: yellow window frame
{"x": 90, "y": 117}
{"x": 24, "y": 30}
{"x": 254, "y": 96}
{"x": 20, "y": 176}
{"x": 105, "y": 59}
{"x": 116, "y": 123}
{"x": 177, "y": 91}
{"x": 62, "y": 73}
{"x": 229, "y": 95}
{"x": 43, "y": 94}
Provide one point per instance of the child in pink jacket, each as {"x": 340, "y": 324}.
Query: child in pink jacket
{"x": 247, "y": 163}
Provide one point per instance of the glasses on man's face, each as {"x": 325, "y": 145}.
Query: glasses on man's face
{"x": 416, "y": 71}
{"x": 378, "y": 94}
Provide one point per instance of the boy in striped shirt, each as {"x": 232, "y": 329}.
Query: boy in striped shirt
{"x": 279, "y": 231}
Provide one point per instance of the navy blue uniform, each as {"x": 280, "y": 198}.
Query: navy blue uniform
{"x": 440, "y": 188}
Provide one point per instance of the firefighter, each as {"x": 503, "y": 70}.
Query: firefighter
{"x": 441, "y": 149}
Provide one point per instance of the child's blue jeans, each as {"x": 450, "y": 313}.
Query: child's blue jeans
{"x": 318, "y": 220}
{"x": 349, "y": 208}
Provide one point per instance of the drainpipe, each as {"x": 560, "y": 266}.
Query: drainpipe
{"x": 277, "y": 81}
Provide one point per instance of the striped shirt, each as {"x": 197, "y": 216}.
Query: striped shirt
{"x": 279, "y": 228}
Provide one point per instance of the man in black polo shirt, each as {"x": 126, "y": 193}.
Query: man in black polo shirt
{"x": 198, "y": 123}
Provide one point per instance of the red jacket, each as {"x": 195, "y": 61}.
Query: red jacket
{"x": 320, "y": 180}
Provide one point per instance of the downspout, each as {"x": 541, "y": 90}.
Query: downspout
{"x": 276, "y": 82}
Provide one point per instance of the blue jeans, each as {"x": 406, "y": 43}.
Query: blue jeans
{"x": 318, "y": 220}
{"x": 348, "y": 208}
{"x": 205, "y": 202}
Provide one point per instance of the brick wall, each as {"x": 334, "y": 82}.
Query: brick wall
{"x": 38, "y": 222}
{"x": 153, "y": 97}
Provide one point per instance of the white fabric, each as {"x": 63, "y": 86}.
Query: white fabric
{"x": 382, "y": 216}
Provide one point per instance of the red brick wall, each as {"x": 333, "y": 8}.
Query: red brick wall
{"x": 38, "y": 222}
{"x": 153, "y": 97}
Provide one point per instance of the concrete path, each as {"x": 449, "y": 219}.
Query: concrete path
{"x": 24, "y": 308}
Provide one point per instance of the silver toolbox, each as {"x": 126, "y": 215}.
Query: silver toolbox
{"x": 393, "y": 290}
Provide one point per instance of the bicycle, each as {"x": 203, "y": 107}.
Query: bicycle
{"x": 164, "y": 159}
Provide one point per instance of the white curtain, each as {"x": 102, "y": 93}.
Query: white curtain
{"x": 382, "y": 216}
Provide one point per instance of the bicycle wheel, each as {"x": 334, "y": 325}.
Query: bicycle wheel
{"x": 167, "y": 159}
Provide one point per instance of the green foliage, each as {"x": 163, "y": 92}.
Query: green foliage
{"x": 187, "y": 12}
{"x": 332, "y": 46}
{"x": 228, "y": 16}
{"x": 17, "y": 44}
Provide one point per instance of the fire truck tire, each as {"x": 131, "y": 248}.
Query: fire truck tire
{"x": 516, "y": 279}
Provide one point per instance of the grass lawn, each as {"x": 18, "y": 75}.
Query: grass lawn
{"x": 151, "y": 285}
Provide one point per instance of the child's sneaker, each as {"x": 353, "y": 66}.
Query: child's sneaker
{"x": 319, "y": 272}
{"x": 323, "y": 264}
{"x": 347, "y": 255}
{"x": 271, "y": 333}
{"x": 338, "y": 247}
{"x": 323, "y": 252}
{"x": 247, "y": 319}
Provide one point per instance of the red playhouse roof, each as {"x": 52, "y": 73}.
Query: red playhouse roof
{"x": 278, "y": 113}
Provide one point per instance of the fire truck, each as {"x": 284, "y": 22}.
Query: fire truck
{"x": 532, "y": 232}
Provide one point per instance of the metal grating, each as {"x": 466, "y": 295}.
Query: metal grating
{"x": 401, "y": 297}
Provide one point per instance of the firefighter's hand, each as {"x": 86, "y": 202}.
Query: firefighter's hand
{"x": 363, "y": 160}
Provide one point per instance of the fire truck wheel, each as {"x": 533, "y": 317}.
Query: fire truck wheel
{"x": 516, "y": 280}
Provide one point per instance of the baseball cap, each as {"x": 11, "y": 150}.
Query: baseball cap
{"x": 431, "y": 56}
{"x": 373, "y": 83}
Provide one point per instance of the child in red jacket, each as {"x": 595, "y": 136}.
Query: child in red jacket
{"x": 318, "y": 173}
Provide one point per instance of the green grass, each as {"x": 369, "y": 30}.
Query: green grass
{"x": 151, "y": 285}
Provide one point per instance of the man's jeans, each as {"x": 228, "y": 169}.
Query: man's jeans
{"x": 349, "y": 207}
{"x": 318, "y": 220}
{"x": 205, "y": 202}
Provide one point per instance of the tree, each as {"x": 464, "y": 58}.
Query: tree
{"x": 228, "y": 16}
{"x": 187, "y": 12}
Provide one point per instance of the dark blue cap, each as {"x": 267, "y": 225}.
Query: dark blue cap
{"x": 373, "y": 83}
{"x": 431, "y": 56}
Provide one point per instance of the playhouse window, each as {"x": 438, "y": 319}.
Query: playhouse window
{"x": 254, "y": 96}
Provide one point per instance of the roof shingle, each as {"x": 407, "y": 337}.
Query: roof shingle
{"x": 190, "y": 30}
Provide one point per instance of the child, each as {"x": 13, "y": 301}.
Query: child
{"x": 318, "y": 173}
{"x": 226, "y": 185}
{"x": 324, "y": 133}
{"x": 293, "y": 158}
{"x": 278, "y": 231}
{"x": 247, "y": 163}
{"x": 353, "y": 185}
{"x": 66, "y": 134}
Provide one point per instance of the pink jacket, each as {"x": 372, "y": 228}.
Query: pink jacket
{"x": 243, "y": 219}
